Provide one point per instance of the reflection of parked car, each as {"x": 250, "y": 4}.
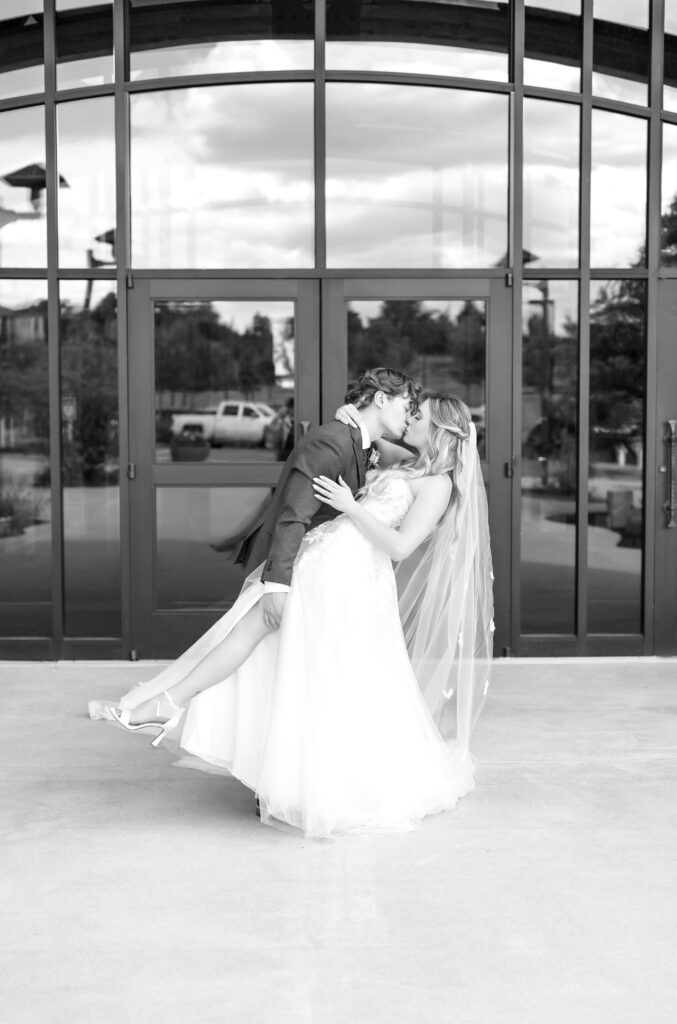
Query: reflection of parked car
{"x": 230, "y": 423}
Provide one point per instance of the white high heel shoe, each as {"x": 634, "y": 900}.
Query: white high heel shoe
{"x": 163, "y": 703}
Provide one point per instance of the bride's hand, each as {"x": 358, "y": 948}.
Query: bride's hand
{"x": 349, "y": 415}
{"x": 338, "y": 495}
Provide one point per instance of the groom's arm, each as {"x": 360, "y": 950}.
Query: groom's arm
{"x": 299, "y": 503}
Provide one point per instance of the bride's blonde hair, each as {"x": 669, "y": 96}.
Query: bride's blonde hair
{"x": 450, "y": 421}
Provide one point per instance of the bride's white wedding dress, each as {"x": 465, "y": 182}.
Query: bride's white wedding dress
{"x": 325, "y": 720}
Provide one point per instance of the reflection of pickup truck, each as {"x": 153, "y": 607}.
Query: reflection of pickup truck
{"x": 229, "y": 423}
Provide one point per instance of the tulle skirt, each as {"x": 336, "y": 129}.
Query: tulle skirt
{"x": 324, "y": 721}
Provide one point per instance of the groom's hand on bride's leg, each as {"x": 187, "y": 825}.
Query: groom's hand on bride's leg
{"x": 272, "y": 606}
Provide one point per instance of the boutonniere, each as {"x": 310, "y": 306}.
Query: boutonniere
{"x": 374, "y": 458}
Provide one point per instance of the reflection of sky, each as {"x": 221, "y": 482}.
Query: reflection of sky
{"x": 87, "y": 162}
{"x": 17, "y": 294}
{"x": 222, "y": 56}
{"x": 409, "y": 182}
{"x": 420, "y": 58}
{"x": 23, "y": 241}
{"x": 562, "y": 304}
{"x": 612, "y": 87}
{"x": 669, "y": 185}
{"x": 618, "y": 191}
{"x": 671, "y": 16}
{"x": 16, "y": 8}
{"x": 565, "y": 6}
{"x": 70, "y": 5}
{"x": 372, "y": 309}
{"x": 223, "y": 176}
{"x": 551, "y": 182}
{"x": 74, "y": 293}
{"x": 623, "y": 12}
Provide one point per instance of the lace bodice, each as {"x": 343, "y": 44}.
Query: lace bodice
{"x": 386, "y": 496}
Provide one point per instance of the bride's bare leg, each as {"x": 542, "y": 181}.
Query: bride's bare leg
{"x": 220, "y": 663}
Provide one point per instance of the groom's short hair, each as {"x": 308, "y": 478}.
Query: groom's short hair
{"x": 390, "y": 382}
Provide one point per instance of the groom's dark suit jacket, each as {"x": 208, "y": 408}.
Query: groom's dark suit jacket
{"x": 330, "y": 450}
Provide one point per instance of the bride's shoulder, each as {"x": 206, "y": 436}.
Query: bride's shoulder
{"x": 439, "y": 484}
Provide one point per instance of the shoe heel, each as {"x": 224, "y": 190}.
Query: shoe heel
{"x": 167, "y": 727}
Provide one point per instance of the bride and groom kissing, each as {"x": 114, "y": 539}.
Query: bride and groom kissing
{"x": 341, "y": 692}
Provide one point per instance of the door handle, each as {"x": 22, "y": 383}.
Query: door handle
{"x": 305, "y": 426}
{"x": 670, "y": 505}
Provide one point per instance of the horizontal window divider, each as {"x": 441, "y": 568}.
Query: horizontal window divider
{"x": 669, "y": 116}
{"x": 11, "y": 273}
{"x": 86, "y": 274}
{"x": 317, "y": 274}
{"x": 601, "y": 273}
{"x": 85, "y": 92}
{"x": 540, "y": 92}
{"x": 229, "y": 78}
{"x": 402, "y": 78}
{"x": 619, "y": 107}
{"x": 18, "y": 102}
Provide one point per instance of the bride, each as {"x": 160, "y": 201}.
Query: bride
{"x": 355, "y": 715}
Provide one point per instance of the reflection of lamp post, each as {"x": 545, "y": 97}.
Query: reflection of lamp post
{"x": 33, "y": 177}
{"x": 546, "y": 368}
{"x": 92, "y": 261}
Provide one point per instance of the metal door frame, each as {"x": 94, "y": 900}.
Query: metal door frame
{"x": 145, "y": 475}
{"x": 501, "y": 454}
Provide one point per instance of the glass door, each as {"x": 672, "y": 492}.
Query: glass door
{"x": 455, "y": 337}
{"x": 223, "y": 376}
{"x": 665, "y": 505}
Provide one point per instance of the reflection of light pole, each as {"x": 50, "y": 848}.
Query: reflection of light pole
{"x": 34, "y": 178}
{"x": 92, "y": 262}
{"x": 545, "y": 369}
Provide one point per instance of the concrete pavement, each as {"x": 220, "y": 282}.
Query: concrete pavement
{"x": 134, "y": 891}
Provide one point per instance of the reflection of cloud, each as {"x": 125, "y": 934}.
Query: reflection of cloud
{"x": 551, "y": 182}
{"x": 225, "y": 55}
{"x": 618, "y": 189}
{"x": 87, "y": 160}
{"x": 409, "y": 182}
{"x": 223, "y": 176}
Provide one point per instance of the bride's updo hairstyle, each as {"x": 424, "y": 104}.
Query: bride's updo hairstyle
{"x": 450, "y": 421}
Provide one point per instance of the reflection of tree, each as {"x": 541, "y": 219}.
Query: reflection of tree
{"x": 550, "y": 370}
{"x": 195, "y": 351}
{"x": 445, "y": 352}
{"x": 617, "y": 337}
{"x": 668, "y": 237}
{"x": 24, "y": 377}
{"x": 89, "y": 379}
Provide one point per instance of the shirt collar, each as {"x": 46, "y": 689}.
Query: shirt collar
{"x": 366, "y": 440}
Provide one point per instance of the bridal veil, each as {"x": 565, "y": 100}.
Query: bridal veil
{"x": 446, "y": 606}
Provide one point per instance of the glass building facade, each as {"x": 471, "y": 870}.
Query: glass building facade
{"x": 214, "y": 214}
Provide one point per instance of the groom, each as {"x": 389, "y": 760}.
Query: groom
{"x": 386, "y": 398}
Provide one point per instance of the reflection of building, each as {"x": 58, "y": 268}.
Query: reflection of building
{"x": 268, "y": 228}
{"x": 23, "y": 325}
